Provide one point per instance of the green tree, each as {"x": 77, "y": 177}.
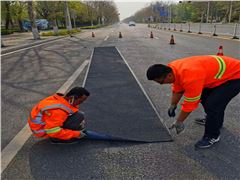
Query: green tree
{"x": 6, "y": 13}
{"x": 19, "y": 12}
{"x": 193, "y": 11}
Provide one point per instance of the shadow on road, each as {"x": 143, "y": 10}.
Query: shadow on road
{"x": 222, "y": 159}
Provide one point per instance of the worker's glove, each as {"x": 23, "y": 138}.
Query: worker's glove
{"x": 171, "y": 111}
{"x": 82, "y": 125}
{"x": 179, "y": 126}
{"x": 82, "y": 135}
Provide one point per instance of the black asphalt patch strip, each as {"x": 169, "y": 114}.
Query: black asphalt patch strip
{"x": 117, "y": 105}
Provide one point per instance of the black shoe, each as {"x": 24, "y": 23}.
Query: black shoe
{"x": 201, "y": 121}
{"x": 60, "y": 141}
{"x": 206, "y": 142}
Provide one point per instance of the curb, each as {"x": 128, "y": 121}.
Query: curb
{"x": 18, "y": 47}
{"x": 198, "y": 34}
{"x": 206, "y": 35}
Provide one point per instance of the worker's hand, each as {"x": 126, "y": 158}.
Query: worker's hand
{"x": 171, "y": 111}
{"x": 179, "y": 126}
{"x": 82, "y": 135}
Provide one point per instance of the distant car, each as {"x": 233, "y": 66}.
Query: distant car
{"x": 132, "y": 23}
{"x": 26, "y": 25}
{"x": 42, "y": 24}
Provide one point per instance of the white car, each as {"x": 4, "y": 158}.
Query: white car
{"x": 132, "y": 23}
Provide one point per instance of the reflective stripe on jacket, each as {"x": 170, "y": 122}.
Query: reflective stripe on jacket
{"x": 48, "y": 116}
{"x": 192, "y": 74}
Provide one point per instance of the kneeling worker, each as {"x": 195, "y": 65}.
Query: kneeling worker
{"x": 211, "y": 80}
{"x": 57, "y": 117}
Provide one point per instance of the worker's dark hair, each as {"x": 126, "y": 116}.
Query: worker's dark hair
{"x": 157, "y": 71}
{"x": 78, "y": 92}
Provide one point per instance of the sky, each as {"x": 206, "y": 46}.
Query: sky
{"x": 129, "y": 8}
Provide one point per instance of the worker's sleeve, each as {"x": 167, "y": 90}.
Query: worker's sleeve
{"x": 177, "y": 88}
{"x": 54, "y": 122}
{"x": 192, "y": 95}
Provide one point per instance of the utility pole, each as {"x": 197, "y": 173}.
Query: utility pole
{"x": 208, "y": 10}
{"x": 230, "y": 12}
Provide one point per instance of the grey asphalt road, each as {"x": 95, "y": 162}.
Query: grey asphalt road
{"x": 33, "y": 74}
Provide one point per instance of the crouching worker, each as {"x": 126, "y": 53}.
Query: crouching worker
{"x": 210, "y": 80}
{"x": 57, "y": 117}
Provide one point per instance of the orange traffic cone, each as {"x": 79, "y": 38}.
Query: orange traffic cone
{"x": 151, "y": 35}
{"x": 93, "y": 35}
{"x": 220, "y": 51}
{"x": 172, "y": 40}
{"x": 120, "y": 35}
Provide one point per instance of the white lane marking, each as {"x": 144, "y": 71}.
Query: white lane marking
{"x": 85, "y": 78}
{"x": 19, "y": 50}
{"x": 156, "y": 37}
{"x": 106, "y": 38}
{"x": 71, "y": 79}
{"x": 10, "y": 151}
{"x": 144, "y": 92}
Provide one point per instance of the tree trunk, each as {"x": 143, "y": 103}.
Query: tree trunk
{"x": 11, "y": 22}
{"x": 7, "y": 24}
{"x": 74, "y": 22}
{"x": 20, "y": 25}
{"x": 55, "y": 27}
{"x": 8, "y": 16}
{"x": 19, "y": 15}
{"x": 2, "y": 45}
{"x": 53, "y": 16}
{"x": 32, "y": 21}
{"x": 67, "y": 17}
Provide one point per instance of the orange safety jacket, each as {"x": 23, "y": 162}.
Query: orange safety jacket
{"x": 47, "y": 117}
{"x": 192, "y": 74}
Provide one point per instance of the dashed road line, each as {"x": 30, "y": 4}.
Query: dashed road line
{"x": 106, "y": 38}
